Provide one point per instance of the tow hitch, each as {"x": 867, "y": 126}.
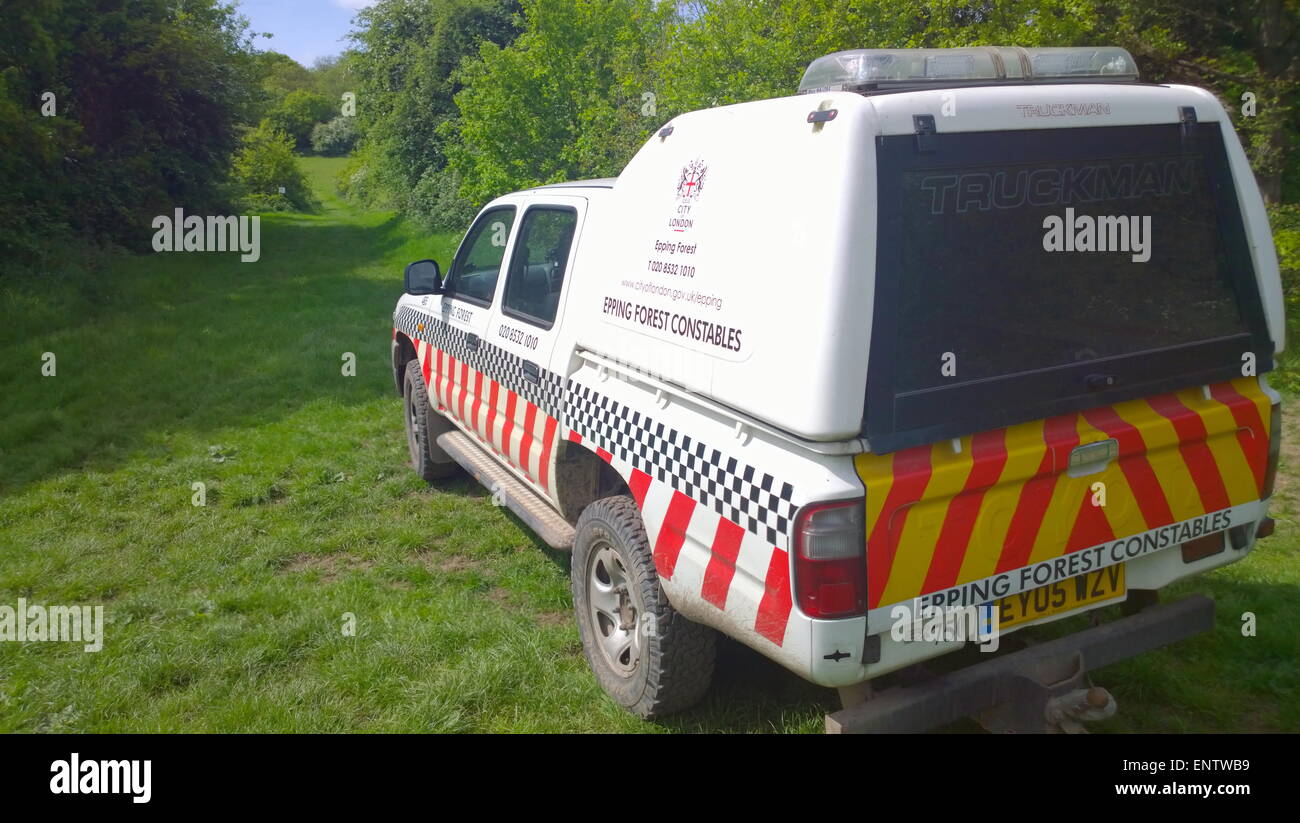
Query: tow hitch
{"x": 1040, "y": 689}
{"x": 1069, "y": 711}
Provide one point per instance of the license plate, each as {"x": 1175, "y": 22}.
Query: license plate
{"x": 1061, "y": 596}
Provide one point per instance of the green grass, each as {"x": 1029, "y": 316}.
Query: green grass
{"x": 175, "y": 369}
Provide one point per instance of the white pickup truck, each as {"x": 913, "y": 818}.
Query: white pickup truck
{"x": 978, "y": 330}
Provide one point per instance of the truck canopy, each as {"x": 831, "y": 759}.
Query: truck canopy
{"x": 930, "y": 264}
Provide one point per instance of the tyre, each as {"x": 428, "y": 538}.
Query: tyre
{"x": 645, "y": 655}
{"x": 423, "y": 425}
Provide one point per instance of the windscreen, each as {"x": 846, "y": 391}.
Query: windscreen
{"x": 1027, "y": 273}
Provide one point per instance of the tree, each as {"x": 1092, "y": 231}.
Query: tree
{"x": 264, "y": 165}
{"x": 580, "y": 87}
{"x": 332, "y": 76}
{"x": 731, "y": 51}
{"x": 336, "y": 137}
{"x": 564, "y": 100}
{"x": 278, "y": 75}
{"x": 1235, "y": 48}
{"x": 148, "y": 99}
{"x": 404, "y": 72}
{"x": 298, "y": 114}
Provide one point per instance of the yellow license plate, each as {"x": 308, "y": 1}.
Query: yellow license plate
{"x": 1062, "y": 596}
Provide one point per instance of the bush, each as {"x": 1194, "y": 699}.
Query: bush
{"x": 265, "y": 164}
{"x": 297, "y": 115}
{"x": 337, "y": 137}
{"x": 144, "y": 117}
{"x": 1286, "y": 236}
{"x": 358, "y": 183}
{"x": 436, "y": 204}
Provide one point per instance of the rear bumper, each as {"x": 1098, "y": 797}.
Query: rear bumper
{"x": 846, "y": 652}
{"x": 1011, "y": 691}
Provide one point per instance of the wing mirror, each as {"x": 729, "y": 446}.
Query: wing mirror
{"x": 423, "y": 277}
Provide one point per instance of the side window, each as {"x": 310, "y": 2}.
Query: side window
{"x": 538, "y": 264}
{"x": 473, "y": 275}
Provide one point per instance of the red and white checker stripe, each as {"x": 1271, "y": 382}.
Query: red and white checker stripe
{"x": 705, "y": 556}
{"x": 492, "y": 411}
{"x": 717, "y": 567}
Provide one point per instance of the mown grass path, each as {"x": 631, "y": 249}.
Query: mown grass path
{"x": 175, "y": 369}
{"x": 181, "y": 368}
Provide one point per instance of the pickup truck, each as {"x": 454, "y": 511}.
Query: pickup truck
{"x": 975, "y": 332}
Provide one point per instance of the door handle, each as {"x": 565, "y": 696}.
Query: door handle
{"x": 532, "y": 373}
{"x": 472, "y": 340}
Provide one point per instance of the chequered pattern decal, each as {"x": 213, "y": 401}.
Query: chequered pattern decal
{"x": 764, "y": 605}
{"x": 737, "y": 491}
{"x": 503, "y": 366}
{"x": 939, "y": 518}
{"x": 506, "y": 421}
{"x": 681, "y": 485}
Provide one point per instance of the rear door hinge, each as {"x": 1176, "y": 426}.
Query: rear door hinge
{"x": 1187, "y": 126}
{"x": 923, "y": 124}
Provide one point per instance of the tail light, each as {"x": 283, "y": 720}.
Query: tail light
{"x": 831, "y": 559}
{"x": 1274, "y": 449}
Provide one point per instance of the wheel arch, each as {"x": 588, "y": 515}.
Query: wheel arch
{"x": 403, "y": 353}
{"x": 582, "y": 477}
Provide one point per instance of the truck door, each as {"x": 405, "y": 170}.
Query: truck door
{"x": 1036, "y": 404}
{"x": 523, "y": 325}
{"x": 456, "y": 381}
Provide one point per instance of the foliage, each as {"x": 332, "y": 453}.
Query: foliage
{"x": 335, "y": 137}
{"x": 298, "y": 114}
{"x": 731, "y": 51}
{"x": 568, "y": 96}
{"x": 563, "y": 101}
{"x": 1286, "y": 236}
{"x": 404, "y": 66}
{"x": 332, "y": 76}
{"x": 356, "y": 182}
{"x": 435, "y": 202}
{"x": 278, "y": 75}
{"x": 148, "y": 99}
{"x": 1233, "y": 48}
{"x": 265, "y": 164}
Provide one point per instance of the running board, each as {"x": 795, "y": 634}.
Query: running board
{"x": 544, "y": 520}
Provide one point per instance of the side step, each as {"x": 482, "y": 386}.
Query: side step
{"x": 545, "y": 521}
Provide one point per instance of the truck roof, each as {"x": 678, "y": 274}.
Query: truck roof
{"x": 593, "y": 183}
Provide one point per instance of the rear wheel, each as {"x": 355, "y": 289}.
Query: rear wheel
{"x": 422, "y": 428}
{"x": 645, "y": 655}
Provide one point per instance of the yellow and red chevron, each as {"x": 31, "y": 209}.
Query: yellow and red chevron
{"x": 938, "y": 517}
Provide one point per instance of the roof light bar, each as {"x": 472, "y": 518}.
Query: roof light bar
{"x": 891, "y": 69}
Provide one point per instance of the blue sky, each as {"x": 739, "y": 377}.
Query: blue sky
{"x": 303, "y": 29}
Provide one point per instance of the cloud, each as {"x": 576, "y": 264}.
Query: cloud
{"x": 354, "y": 5}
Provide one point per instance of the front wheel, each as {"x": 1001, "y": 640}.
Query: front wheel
{"x": 645, "y": 655}
{"x": 422, "y": 428}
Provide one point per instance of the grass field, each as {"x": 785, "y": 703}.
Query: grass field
{"x": 174, "y": 369}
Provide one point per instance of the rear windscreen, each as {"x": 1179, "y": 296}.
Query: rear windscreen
{"x": 1027, "y": 273}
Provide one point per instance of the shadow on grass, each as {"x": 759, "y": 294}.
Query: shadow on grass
{"x": 751, "y": 693}
{"x": 1219, "y": 681}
